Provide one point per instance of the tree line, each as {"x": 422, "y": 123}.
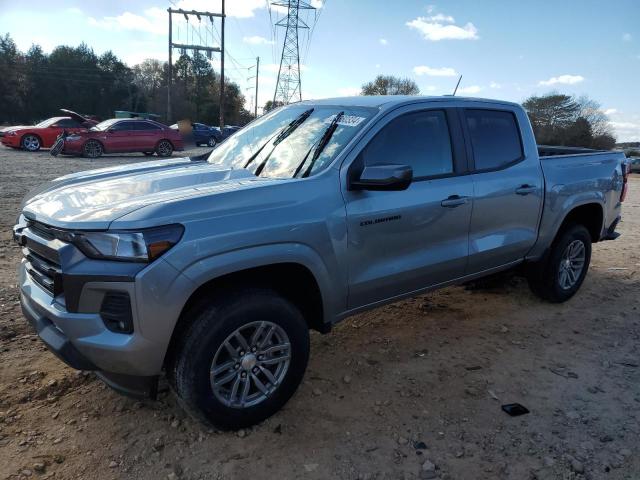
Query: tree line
{"x": 35, "y": 85}
{"x": 557, "y": 119}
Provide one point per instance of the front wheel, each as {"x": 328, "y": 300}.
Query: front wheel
{"x": 164, "y": 148}
{"x": 92, "y": 149}
{"x": 241, "y": 359}
{"x": 211, "y": 142}
{"x": 559, "y": 275}
{"x": 31, "y": 143}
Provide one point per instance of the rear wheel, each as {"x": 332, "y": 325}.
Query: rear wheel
{"x": 164, "y": 148}
{"x": 559, "y": 275}
{"x": 241, "y": 359}
{"x": 211, "y": 142}
{"x": 92, "y": 149}
{"x": 31, "y": 143}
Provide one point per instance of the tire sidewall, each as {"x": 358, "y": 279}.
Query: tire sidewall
{"x": 576, "y": 232}
{"x": 212, "y": 142}
{"x": 211, "y": 327}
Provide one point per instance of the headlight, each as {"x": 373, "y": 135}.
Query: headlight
{"x": 143, "y": 246}
{"x": 11, "y": 134}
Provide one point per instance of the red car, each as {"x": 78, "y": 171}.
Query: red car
{"x": 120, "y": 135}
{"x": 44, "y": 134}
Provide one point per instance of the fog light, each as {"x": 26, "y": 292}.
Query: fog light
{"x": 116, "y": 312}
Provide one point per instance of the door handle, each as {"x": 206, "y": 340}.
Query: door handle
{"x": 454, "y": 201}
{"x": 525, "y": 189}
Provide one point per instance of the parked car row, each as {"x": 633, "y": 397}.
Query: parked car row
{"x": 74, "y": 134}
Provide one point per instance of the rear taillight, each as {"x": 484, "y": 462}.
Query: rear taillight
{"x": 625, "y": 185}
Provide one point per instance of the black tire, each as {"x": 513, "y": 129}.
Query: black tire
{"x": 31, "y": 143}
{"x": 148, "y": 154}
{"x": 211, "y": 142}
{"x": 544, "y": 277}
{"x": 92, "y": 149}
{"x": 213, "y": 322}
{"x": 164, "y": 148}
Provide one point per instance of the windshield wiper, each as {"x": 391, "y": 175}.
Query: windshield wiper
{"x": 322, "y": 143}
{"x": 279, "y": 137}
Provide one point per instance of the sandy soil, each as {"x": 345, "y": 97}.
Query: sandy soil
{"x": 411, "y": 390}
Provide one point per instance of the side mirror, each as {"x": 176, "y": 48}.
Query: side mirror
{"x": 383, "y": 177}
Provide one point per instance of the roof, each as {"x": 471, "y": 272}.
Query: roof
{"x": 378, "y": 101}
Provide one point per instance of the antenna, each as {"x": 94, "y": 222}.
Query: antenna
{"x": 457, "y": 85}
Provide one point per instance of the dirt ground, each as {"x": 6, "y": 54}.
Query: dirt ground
{"x": 410, "y": 390}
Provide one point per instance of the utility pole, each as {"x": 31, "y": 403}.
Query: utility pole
{"x": 170, "y": 72}
{"x": 222, "y": 72}
{"x": 196, "y": 48}
{"x": 289, "y": 85}
{"x": 255, "y": 106}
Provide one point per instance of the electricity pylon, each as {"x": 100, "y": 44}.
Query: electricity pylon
{"x": 288, "y": 86}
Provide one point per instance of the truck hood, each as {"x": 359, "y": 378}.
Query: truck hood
{"x": 92, "y": 200}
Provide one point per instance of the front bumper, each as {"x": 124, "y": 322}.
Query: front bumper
{"x": 65, "y": 310}
{"x": 10, "y": 140}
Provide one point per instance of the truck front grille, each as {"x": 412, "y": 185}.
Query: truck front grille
{"x": 43, "y": 262}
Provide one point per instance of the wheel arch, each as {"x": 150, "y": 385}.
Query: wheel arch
{"x": 590, "y": 214}
{"x": 293, "y": 280}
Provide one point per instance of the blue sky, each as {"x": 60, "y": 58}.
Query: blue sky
{"x": 503, "y": 49}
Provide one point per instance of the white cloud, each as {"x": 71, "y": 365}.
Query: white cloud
{"x": 349, "y": 91}
{"x": 495, "y": 85}
{"x": 435, "y": 71}
{"x": 74, "y": 11}
{"x": 627, "y": 37}
{"x": 155, "y": 20}
{"x": 377, "y": 65}
{"x": 562, "y": 80}
{"x": 383, "y": 41}
{"x": 441, "y": 27}
{"x": 257, "y": 40}
{"x": 430, "y": 88}
{"x": 610, "y": 111}
{"x": 627, "y": 131}
{"x": 471, "y": 89}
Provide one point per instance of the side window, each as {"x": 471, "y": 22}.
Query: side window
{"x": 120, "y": 126}
{"x": 420, "y": 140}
{"x": 495, "y": 138}
{"x": 146, "y": 126}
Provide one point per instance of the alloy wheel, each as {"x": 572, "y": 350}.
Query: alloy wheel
{"x": 571, "y": 264}
{"x": 165, "y": 148}
{"x": 92, "y": 149}
{"x": 31, "y": 143}
{"x": 250, "y": 364}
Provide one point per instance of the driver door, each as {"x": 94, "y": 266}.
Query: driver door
{"x": 404, "y": 241}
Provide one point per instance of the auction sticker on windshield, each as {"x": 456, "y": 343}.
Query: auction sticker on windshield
{"x": 347, "y": 120}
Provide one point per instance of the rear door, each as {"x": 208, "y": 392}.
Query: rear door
{"x": 403, "y": 241}
{"x": 507, "y": 183}
{"x": 146, "y": 136}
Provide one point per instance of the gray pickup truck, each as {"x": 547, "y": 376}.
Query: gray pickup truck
{"x": 212, "y": 270}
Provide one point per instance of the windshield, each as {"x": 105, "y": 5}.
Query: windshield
{"x": 261, "y": 149}
{"x": 102, "y": 126}
{"x": 49, "y": 121}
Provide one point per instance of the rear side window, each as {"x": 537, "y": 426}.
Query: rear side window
{"x": 420, "y": 140}
{"x": 145, "y": 126}
{"x": 495, "y": 138}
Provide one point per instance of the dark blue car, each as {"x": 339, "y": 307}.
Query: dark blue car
{"x": 204, "y": 134}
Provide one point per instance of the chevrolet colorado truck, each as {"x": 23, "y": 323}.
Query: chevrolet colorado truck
{"x": 211, "y": 270}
